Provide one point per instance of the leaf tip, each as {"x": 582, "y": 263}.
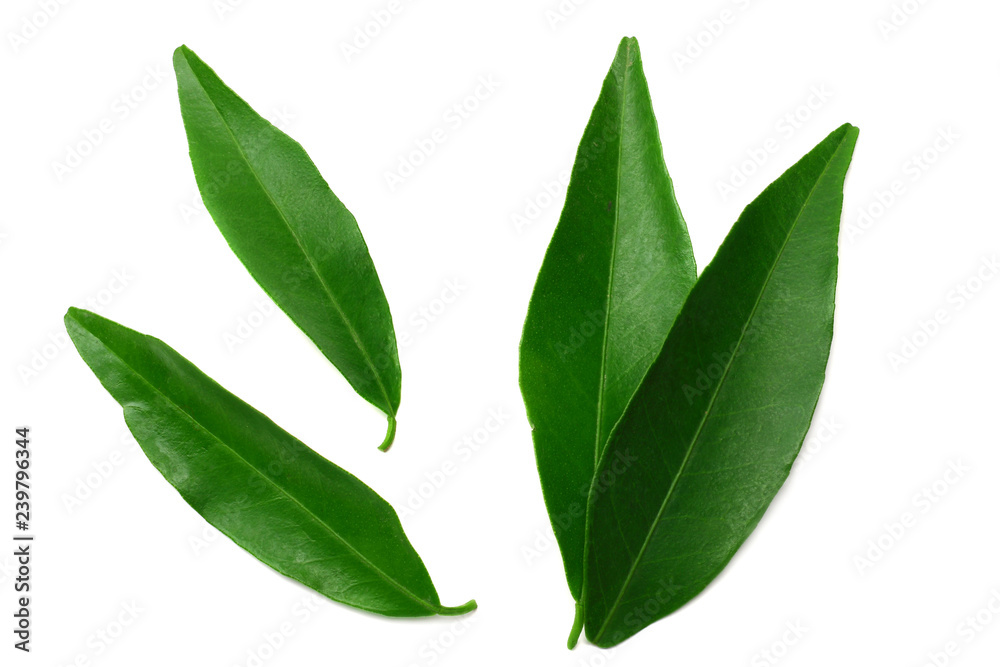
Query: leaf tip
{"x": 180, "y": 53}
{"x": 846, "y": 141}
{"x": 628, "y": 49}
{"x": 79, "y": 325}
{"x": 76, "y": 318}
{"x": 186, "y": 58}
{"x": 847, "y": 134}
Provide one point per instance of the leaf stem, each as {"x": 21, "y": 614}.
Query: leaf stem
{"x": 574, "y": 634}
{"x": 389, "y": 436}
{"x": 459, "y": 610}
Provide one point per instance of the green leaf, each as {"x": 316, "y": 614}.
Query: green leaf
{"x": 712, "y": 432}
{"x": 297, "y": 240}
{"x": 614, "y": 277}
{"x": 272, "y": 495}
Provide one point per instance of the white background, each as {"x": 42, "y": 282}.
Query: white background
{"x": 128, "y": 210}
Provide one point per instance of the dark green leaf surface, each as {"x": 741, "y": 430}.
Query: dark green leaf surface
{"x": 272, "y": 495}
{"x": 614, "y": 277}
{"x": 715, "y": 426}
{"x": 290, "y": 231}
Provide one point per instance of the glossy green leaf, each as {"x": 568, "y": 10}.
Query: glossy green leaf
{"x": 712, "y": 432}
{"x": 272, "y": 495}
{"x": 614, "y": 277}
{"x": 297, "y": 240}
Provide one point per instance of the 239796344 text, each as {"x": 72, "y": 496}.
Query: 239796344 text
{"x": 22, "y": 540}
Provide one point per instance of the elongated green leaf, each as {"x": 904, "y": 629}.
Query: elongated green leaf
{"x": 275, "y": 497}
{"x": 713, "y": 430}
{"x": 614, "y": 277}
{"x": 291, "y": 232}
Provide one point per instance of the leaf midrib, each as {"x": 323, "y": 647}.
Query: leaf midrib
{"x": 711, "y": 406}
{"x": 282, "y": 490}
{"x": 611, "y": 266}
{"x": 604, "y": 343}
{"x": 298, "y": 242}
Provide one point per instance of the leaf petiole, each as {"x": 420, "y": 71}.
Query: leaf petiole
{"x": 389, "y": 436}
{"x": 574, "y": 633}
